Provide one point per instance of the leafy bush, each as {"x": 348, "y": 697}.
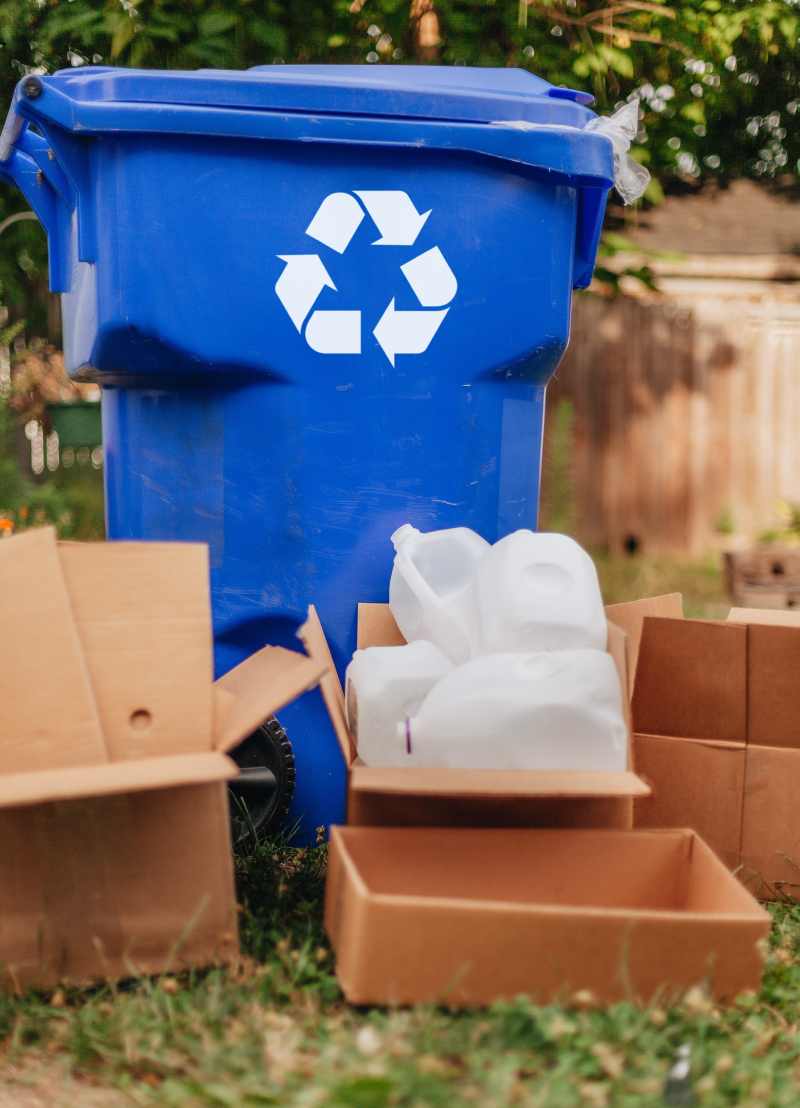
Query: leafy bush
{"x": 70, "y": 501}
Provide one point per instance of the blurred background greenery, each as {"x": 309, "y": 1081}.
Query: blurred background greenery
{"x": 718, "y": 82}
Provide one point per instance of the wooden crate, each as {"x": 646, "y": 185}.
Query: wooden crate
{"x": 765, "y": 577}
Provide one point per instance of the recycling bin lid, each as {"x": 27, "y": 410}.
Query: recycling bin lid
{"x": 506, "y": 114}
{"x": 444, "y": 93}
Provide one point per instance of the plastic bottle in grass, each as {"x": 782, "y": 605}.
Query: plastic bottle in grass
{"x": 432, "y": 588}
{"x": 539, "y": 591}
{"x": 555, "y": 710}
{"x": 384, "y": 685}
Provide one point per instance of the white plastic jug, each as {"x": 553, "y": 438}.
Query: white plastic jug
{"x": 554, "y": 710}
{"x": 539, "y": 591}
{"x": 384, "y": 685}
{"x": 432, "y": 588}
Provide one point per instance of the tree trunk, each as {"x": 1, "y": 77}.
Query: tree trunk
{"x": 425, "y": 30}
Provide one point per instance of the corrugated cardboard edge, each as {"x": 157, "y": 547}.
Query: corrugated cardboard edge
{"x": 263, "y": 684}
{"x": 774, "y": 617}
{"x": 18, "y": 790}
{"x": 433, "y": 781}
{"x": 313, "y": 639}
{"x": 617, "y": 646}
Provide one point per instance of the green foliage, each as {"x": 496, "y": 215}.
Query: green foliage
{"x": 280, "y": 888}
{"x": 558, "y": 486}
{"x": 612, "y": 245}
{"x": 72, "y": 501}
{"x": 718, "y": 81}
{"x": 787, "y": 527}
{"x": 699, "y": 580}
{"x": 725, "y": 523}
{"x": 265, "y": 1034}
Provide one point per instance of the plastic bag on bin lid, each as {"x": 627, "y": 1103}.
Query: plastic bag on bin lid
{"x": 630, "y": 178}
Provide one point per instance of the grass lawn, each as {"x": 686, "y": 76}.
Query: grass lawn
{"x": 700, "y": 581}
{"x": 276, "y": 1032}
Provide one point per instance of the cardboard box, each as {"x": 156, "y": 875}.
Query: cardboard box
{"x": 468, "y": 917}
{"x": 717, "y": 733}
{"x": 468, "y": 886}
{"x": 413, "y": 796}
{"x": 115, "y": 855}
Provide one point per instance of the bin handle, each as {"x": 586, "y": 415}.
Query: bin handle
{"x": 21, "y": 152}
{"x": 18, "y": 164}
{"x": 12, "y": 129}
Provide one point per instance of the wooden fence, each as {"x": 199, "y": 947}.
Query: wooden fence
{"x": 686, "y": 406}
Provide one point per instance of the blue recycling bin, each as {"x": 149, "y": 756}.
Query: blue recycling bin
{"x": 321, "y": 301}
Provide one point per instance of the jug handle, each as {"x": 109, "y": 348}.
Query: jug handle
{"x": 21, "y": 152}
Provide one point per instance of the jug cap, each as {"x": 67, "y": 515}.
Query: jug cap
{"x": 402, "y": 533}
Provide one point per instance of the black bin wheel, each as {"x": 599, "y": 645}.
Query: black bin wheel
{"x": 261, "y": 795}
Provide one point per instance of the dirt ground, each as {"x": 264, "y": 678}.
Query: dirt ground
{"x": 46, "y": 1083}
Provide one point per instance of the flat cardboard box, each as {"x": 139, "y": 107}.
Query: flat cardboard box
{"x": 717, "y": 733}
{"x": 115, "y": 853}
{"x": 469, "y": 917}
{"x": 426, "y": 796}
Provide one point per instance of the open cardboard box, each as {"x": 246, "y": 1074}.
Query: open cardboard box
{"x": 414, "y": 796}
{"x": 717, "y": 722}
{"x": 468, "y": 917}
{"x": 467, "y": 886}
{"x": 115, "y": 853}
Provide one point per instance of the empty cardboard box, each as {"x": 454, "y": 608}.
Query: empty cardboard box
{"x": 468, "y": 886}
{"x": 717, "y": 724}
{"x": 469, "y": 917}
{"x": 115, "y": 854}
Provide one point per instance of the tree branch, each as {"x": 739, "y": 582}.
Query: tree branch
{"x": 613, "y": 32}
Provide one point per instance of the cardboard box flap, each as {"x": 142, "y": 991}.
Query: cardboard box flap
{"x": 774, "y": 617}
{"x": 143, "y": 616}
{"x": 617, "y": 646}
{"x": 432, "y": 781}
{"x": 691, "y": 680}
{"x": 48, "y": 713}
{"x": 313, "y": 639}
{"x": 224, "y": 703}
{"x": 773, "y": 708}
{"x": 258, "y": 688}
{"x": 377, "y": 627}
{"x": 18, "y": 790}
{"x": 630, "y": 616}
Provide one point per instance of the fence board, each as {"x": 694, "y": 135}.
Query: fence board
{"x": 686, "y": 410}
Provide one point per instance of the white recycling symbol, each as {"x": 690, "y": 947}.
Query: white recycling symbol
{"x": 339, "y": 332}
